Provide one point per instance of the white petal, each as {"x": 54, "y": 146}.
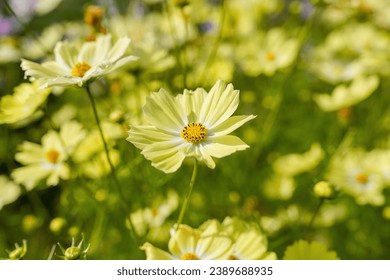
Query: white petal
{"x": 192, "y": 102}
{"x": 220, "y": 104}
{"x": 63, "y": 54}
{"x": 230, "y": 125}
{"x": 222, "y": 146}
{"x": 118, "y": 50}
{"x": 165, "y": 156}
{"x": 102, "y": 47}
{"x": 87, "y": 54}
{"x": 141, "y": 136}
{"x": 164, "y": 112}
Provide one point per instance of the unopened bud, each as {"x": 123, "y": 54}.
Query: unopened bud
{"x": 323, "y": 190}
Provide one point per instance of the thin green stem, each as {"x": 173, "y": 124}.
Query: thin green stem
{"x": 112, "y": 168}
{"x": 316, "y": 211}
{"x": 187, "y": 197}
{"x": 184, "y": 55}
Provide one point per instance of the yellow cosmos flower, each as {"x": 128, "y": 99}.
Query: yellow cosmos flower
{"x": 73, "y": 66}
{"x": 49, "y": 159}
{"x": 187, "y": 243}
{"x": 193, "y": 124}
{"x": 22, "y": 104}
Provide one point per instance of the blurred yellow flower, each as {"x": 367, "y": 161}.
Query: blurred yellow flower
{"x": 187, "y": 243}
{"x": 353, "y": 174}
{"x": 47, "y": 160}
{"x": 73, "y": 66}
{"x": 193, "y": 124}
{"x": 249, "y": 242}
{"x": 9, "y": 191}
{"x": 22, "y": 104}
{"x": 294, "y": 164}
{"x": 304, "y": 250}
{"x": 343, "y": 96}
{"x": 268, "y": 53}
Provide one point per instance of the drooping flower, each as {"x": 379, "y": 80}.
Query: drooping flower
{"x": 73, "y": 66}
{"x": 193, "y": 124}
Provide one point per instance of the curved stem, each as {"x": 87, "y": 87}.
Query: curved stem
{"x": 187, "y": 197}
{"x": 112, "y": 168}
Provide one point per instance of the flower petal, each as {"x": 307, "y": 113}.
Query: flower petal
{"x": 144, "y": 135}
{"x": 154, "y": 253}
{"x": 192, "y": 102}
{"x": 230, "y": 125}
{"x": 165, "y": 156}
{"x": 184, "y": 240}
{"x": 164, "y": 112}
{"x": 220, "y": 104}
{"x": 118, "y": 50}
{"x": 63, "y": 54}
{"x": 223, "y": 146}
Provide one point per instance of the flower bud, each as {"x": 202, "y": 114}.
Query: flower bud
{"x": 72, "y": 253}
{"x": 19, "y": 252}
{"x": 323, "y": 190}
{"x": 57, "y": 224}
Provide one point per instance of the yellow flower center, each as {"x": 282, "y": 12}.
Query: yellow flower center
{"x": 232, "y": 258}
{"x": 194, "y": 132}
{"x": 79, "y": 69}
{"x": 189, "y": 257}
{"x": 52, "y": 156}
{"x": 362, "y": 178}
{"x": 270, "y": 56}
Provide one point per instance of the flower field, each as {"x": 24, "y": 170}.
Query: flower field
{"x": 195, "y": 129}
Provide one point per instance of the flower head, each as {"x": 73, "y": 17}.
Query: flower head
{"x": 23, "y": 104}
{"x": 73, "y": 66}
{"x": 193, "y": 124}
{"x": 186, "y": 243}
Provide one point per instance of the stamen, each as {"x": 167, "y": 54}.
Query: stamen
{"x": 362, "y": 178}
{"x": 194, "y": 133}
{"x": 189, "y": 256}
{"x": 79, "y": 69}
{"x": 52, "y": 156}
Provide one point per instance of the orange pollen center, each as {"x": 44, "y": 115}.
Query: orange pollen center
{"x": 52, "y": 156}
{"x": 194, "y": 133}
{"x": 189, "y": 257}
{"x": 362, "y": 178}
{"x": 232, "y": 258}
{"x": 79, "y": 69}
{"x": 270, "y": 56}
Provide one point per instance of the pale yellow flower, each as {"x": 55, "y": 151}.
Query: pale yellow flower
{"x": 187, "y": 243}
{"x": 294, "y": 164}
{"x": 352, "y": 173}
{"x": 47, "y": 160}
{"x": 9, "y": 191}
{"x": 268, "y": 53}
{"x": 249, "y": 242}
{"x": 193, "y": 124}
{"x": 346, "y": 96}
{"x": 22, "y": 104}
{"x": 73, "y": 66}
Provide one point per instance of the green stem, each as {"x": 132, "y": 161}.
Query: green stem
{"x": 316, "y": 211}
{"x": 112, "y": 168}
{"x": 184, "y": 55}
{"x": 187, "y": 197}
